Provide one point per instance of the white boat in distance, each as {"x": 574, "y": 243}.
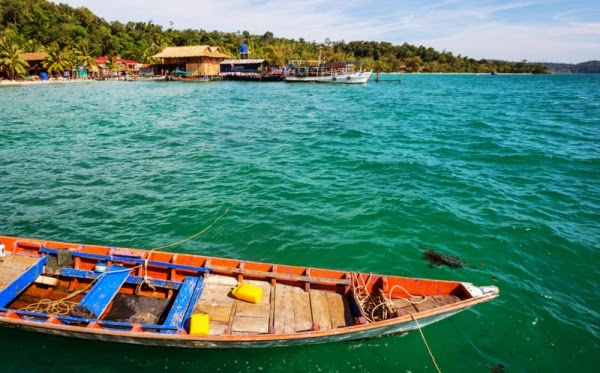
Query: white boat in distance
{"x": 312, "y": 71}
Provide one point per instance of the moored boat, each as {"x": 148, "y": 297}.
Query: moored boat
{"x": 193, "y": 79}
{"x": 181, "y": 300}
{"x": 331, "y": 72}
{"x": 147, "y": 79}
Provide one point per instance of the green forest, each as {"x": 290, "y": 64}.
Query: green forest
{"x": 75, "y": 36}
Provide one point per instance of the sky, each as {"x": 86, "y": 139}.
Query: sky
{"x": 511, "y": 30}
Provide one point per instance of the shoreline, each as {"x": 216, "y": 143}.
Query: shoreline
{"x": 37, "y": 82}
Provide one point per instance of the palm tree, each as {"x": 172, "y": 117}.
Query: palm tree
{"x": 55, "y": 60}
{"x": 10, "y": 58}
{"x": 112, "y": 64}
{"x": 159, "y": 42}
{"x": 33, "y": 46}
{"x": 84, "y": 57}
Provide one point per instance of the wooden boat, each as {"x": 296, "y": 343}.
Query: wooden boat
{"x": 154, "y": 298}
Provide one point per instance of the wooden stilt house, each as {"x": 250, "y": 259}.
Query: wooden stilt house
{"x": 202, "y": 60}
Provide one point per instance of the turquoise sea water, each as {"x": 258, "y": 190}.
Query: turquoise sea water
{"x": 503, "y": 171}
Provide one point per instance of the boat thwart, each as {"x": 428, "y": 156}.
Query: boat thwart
{"x": 149, "y": 297}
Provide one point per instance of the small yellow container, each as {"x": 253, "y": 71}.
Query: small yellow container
{"x": 199, "y": 324}
{"x": 247, "y": 292}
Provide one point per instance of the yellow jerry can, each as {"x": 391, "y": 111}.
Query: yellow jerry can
{"x": 199, "y": 324}
{"x": 247, "y": 292}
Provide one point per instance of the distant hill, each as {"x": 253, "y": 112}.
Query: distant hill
{"x": 592, "y": 67}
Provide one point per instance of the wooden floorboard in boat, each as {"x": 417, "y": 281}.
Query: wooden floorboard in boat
{"x": 427, "y": 304}
{"x": 217, "y": 328}
{"x": 13, "y": 266}
{"x": 339, "y": 310}
{"x": 302, "y": 312}
{"x": 215, "y": 299}
{"x": 246, "y": 309}
{"x": 243, "y": 324}
{"x": 284, "y": 309}
{"x": 405, "y": 306}
{"x": 251, "y": 317}
{"x": 320, "y": 309}
{"x": 444, "y": 300}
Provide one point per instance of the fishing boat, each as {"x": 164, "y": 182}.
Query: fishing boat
{"x": 313, "y": 71}
{"x": 150, "y": 297}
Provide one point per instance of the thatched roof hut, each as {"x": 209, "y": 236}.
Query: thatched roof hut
{"x": 195, "y": 59}
{"x": 34, "y": 56}
{"x": 190, "y": 52}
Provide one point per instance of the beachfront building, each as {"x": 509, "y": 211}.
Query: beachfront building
{"x": 202, "y": 60}
{"x": 34, "y": 59}
{"x": 126, "y": 68}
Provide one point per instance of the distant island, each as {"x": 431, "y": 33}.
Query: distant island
{"x": 65, "y": 32}
{"x": 569, "y": 68}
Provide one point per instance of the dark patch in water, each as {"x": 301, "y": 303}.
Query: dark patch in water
{"x": 497, "y": 369}
{"x": 439, "y": 259}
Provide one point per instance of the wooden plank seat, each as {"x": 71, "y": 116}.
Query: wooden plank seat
{"x": 182, "y": 308}
{"x": 96, "y": 301}
{"x": 134, "y": 280}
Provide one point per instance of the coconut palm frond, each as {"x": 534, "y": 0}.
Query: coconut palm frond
{"x": 10, "y": 58}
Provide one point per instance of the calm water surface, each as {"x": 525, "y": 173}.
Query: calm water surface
{"x": 503, "y": 171}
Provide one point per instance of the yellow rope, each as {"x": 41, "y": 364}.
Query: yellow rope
{"x": 195, "y": 235}
{"x": 63, "y": 306}
{"x": 146, "y": 281}
{"x": 426, "y": 344}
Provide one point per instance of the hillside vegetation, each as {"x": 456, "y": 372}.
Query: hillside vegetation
{"x": 36, "y": 25}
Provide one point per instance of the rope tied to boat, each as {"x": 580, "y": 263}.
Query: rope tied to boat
{"x": 426, "y": 344}
{"x": 146, "y": 280}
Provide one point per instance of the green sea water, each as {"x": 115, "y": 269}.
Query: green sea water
{"x": 502, "y": 171}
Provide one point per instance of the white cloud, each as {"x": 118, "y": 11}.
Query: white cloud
{"x": 513, "y": 30}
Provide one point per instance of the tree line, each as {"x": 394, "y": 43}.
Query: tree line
{"x": 76, "y": 36}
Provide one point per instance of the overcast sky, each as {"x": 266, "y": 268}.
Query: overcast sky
{"x": 513, "y": 30}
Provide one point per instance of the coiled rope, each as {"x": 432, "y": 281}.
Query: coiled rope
{"x": 369, "y": 305}
{"x": 63, "y": 306}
